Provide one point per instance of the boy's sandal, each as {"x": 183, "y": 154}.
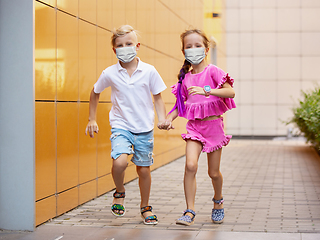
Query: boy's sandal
{"x": 150, "y": 220}
{"x": 116, "y": 208}
{"x": 217, "y": 215}
{"x": 186, "y": 219}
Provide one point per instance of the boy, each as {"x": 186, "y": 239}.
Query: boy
{"x": 131, "y": 116}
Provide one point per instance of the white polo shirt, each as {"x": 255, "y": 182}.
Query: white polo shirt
{"x": 132, "y": 105}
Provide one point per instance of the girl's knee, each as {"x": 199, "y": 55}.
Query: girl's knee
{"x": 191, "y": 167}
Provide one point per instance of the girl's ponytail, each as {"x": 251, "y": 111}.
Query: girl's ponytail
{"x": 180, "y": 102}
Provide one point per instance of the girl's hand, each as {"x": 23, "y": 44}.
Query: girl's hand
{"x": 92, "y": 127}
{"x": 193, "y": 90}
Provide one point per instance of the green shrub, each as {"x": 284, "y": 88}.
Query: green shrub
{"x": 307, "y": 117}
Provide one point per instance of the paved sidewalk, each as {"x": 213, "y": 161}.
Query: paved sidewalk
{"x": 271, "y": 190}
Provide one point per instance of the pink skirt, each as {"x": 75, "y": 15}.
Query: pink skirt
{"x": 209, "y": 133}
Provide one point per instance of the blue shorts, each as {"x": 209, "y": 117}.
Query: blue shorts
{"x": 138, "y": 144}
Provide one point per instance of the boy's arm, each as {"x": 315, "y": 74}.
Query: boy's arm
{"x": 92, "y": 126}
{"x": 160, "y": 108}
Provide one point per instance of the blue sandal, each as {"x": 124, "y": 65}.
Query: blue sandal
{"x": 150, "y": 220}
{"x": 186, "y": 219}
{"x": 116, "y": 208}
{"x": 217, "y": 215}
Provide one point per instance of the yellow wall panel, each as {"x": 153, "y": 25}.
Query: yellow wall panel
{"x": 104, "y": 13}
{"x": 69, "y": 6}
{"x": 105, "y": 58}
{"x": 118, "y": 13}
{"x": 67, "y": 146}
{"x": 104, "y": 161}
{"x": 87, "y": 59}
{"x": 45, "y": 122}
{"x": 105, "y": 184}
{"x": 88, "y": 10}
{"x": 131, "y": 12}
{"x": 45, "y": 52}
{"x": 45, "y": 209}
{"x": 145, "y": 21}
{"x": 72, "y": 48}
{"x": 67, "y": 57}
{"x": 87, "y": 191}
{"x": 87, "y": 148}
{"x": 67, "y": 200}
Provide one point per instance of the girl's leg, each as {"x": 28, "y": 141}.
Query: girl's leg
{"x": 193, "y": 150}
{"x": 145, "y": 187}
{"x": 215, "y": 175}
{"x": 119, "y": 166}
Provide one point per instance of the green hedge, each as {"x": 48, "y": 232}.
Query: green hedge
{"x": 307, "y": 117}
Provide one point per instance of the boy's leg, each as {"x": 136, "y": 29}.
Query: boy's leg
{"x": 143, "y": 159}
{"x": 121, "y": 144}
{"x": 145, "y": 187}
{"x": 193, "y": 150}
{"x": 119, "y": 166}
{"x": 215, "y": 175}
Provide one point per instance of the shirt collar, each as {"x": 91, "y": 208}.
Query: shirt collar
{"x": 139, "y": 67}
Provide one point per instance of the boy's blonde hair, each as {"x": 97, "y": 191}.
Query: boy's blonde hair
{"x": 121, "y": 31}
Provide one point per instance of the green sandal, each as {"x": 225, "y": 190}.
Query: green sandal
{"x": 118, "y": 207}
{"x": 148, "y": 220}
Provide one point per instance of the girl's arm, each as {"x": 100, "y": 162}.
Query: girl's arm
{"x": 92, "y": 126}
{"x": 225, "y": 92}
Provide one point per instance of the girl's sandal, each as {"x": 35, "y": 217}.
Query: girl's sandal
{"x": 117, "y": 208}
{"x": 186, "y": 219}
{"x": 150, "y": 220}
{"x": 217, "y": 215}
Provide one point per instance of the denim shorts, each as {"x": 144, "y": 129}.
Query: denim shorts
{"x": 138, "y": 144}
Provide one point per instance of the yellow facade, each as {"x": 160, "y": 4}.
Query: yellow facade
{"x": 72, "y": 47}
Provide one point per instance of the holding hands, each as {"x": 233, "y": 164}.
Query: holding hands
{"x": 165, "y": 125}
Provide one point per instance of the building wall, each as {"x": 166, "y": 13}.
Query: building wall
{"x": 72, "y": 47}
{"x": 273, "y": 53}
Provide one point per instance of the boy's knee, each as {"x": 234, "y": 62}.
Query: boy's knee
{"x": 143, "y": 172}
{"x": 214, "y": 175}
{"x": 120, "y": 162}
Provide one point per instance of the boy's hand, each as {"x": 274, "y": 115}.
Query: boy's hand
{"x": 166, "y": 125}
{"x": 92, "y": 127}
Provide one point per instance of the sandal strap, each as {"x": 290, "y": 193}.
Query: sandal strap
{"x": 146, "y": 209}
{"x": 190, "y": 211}
{"x": 119, "y": 194}
{"x": 150, "y": 218}
{"x": 218, "y": 201}
{"x": 117, "y": 207}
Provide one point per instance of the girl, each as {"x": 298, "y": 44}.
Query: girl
{"x": 208, "y": 93}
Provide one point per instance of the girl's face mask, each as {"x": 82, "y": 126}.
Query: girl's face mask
{"x": 194, "y": 55}
{"x": 126, "y": 54}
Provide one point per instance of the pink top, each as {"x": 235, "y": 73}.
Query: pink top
{"x": 199, "y": 106}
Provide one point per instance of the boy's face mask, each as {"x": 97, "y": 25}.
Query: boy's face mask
{"x": 126, "y": 54}
{"x": 194, "y": 55}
